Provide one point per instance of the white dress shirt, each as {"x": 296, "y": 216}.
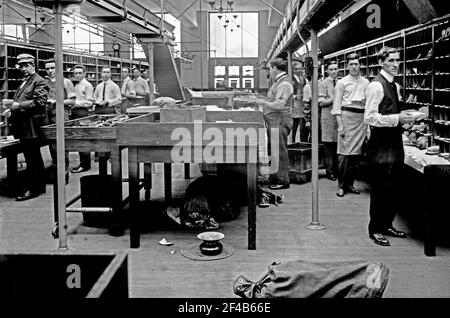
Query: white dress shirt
{"x": 349, "y": 92}
{"x": 374, "y": 96}
{"x": 84, "y": 92}
{"x": 112, "y": 93}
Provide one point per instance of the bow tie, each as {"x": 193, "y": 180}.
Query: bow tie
{"x": 25, "y": 79}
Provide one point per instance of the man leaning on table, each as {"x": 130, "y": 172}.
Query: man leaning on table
{"x": 385, "y": 147}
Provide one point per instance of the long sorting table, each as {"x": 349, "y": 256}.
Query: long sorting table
{"x": 187, "y": 142}
{"x": 88, "y": 134}
{"x": 434, "y": 175}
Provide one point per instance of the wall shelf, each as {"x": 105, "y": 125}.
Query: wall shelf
{"x": 430, "y": 70}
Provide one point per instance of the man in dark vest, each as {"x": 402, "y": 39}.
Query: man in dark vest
{"x": 277, "y": 114}
{"x": 27, "y": 117}
{"x": 385, "y": 147}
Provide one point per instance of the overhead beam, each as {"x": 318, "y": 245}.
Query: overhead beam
{"x": 152, "y": 21}
{"x": 106, "y": 19}
{"x": 187, "y": 13}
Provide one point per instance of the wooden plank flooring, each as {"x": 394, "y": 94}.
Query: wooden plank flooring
{"x": 154, "y": 271}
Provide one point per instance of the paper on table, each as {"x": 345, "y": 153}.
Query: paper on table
{"x": 195, "y": 94}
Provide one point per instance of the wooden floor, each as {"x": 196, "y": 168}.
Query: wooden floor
{"x": 158, "y": 271}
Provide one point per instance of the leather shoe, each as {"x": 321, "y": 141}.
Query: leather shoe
{"x": 395, "y": 233}
{"x": 331, "y": 177}
{"x": 379, "y": 239}
{"x": 279, "y": 186}
{"x": 340, "y": 192}
{"x": 79, "y": 169}
{"x": 26, "y": 196}
{"x": 350, "y": 189}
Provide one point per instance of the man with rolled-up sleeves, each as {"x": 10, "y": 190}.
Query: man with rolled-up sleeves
{"x": 348, "y": 107}
{"x": 385, "y": 146}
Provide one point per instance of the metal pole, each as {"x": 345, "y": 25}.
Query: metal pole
{"x": 201, "y": 47}
{"x": 315, "y": 224}
{"x": 161, "y": 30}
{"x": 60, "y": 146}
{"x": 151, "y": 73}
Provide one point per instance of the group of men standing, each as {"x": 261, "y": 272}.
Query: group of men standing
{"x": 352, "y": 111}
{"x": 34, "y": 105}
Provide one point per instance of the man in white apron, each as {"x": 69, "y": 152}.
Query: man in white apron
{"x": 385, "y": 146}
{"x": 348, "y": 107}
{"x": 328, "y": 121}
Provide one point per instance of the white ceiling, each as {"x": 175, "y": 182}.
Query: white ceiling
{"x": 187, "y": 9}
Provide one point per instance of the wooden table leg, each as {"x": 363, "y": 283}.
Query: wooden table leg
{"x": 187, "y": 170}
{"x": 102, "y": 164}
{"x": 11, "y": 173}
{"x": 168, "y": 181}
{"x": 133, "y": 183}
{"x": 116, "y": 228}
{"x": 429, "y": 245}
{"x": 147, "y": 180}
{"x": 251, "y": 205}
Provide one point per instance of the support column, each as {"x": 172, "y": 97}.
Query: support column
{"x": 151, "y": 71}
{"x": 60, "y": 145}
{"x": 315, "y": 224}
{"x": 289, "y": 59}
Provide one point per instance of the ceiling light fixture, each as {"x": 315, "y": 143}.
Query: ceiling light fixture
{"x": 220, "y": 9}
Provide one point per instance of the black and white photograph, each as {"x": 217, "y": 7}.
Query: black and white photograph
{"x": 216, "y": 156}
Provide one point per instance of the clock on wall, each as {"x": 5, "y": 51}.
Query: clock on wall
{"x": 116, "y": 47}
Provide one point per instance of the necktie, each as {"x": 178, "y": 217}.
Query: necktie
{"x": 334, "y": 82}
{"x": 104, "y": 90}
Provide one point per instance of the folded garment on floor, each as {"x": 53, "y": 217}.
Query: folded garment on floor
{"x": 302, "y": 279}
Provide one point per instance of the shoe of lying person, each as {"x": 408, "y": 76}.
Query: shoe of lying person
{"x": 264, "y": 203}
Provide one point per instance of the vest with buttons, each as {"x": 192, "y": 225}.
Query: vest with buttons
{"x": 386, "y": 144}
{"x": 273, "y": 91}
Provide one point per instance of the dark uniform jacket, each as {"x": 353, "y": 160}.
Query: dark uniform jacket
{"x": 26, "y": 121}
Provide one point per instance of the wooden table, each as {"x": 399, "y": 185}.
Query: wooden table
{"x": 436, "y": 177}
{"x": 149, "y": 141}
{"x": 10, "y": 150}
{"x": 80, "y": 137}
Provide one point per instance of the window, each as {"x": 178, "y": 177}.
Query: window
{"x": 14, "y": 31}
{"x": 138, "y": 50}
{"x": 233, "y": 70}
{"x": 247, "y": 70}
{"x": 247, "y": 83}
{"x": 79, "y": 34}
{"x": 233, "y": 82}
{"x": 219, "y": 71}
{"x": 219, "y": 83}
{"x": 237, "y": 38}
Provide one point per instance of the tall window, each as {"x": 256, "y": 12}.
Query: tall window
{"x": 79, "y": 34}
{"x": 236, "y": 38}
{"x": 219, "y": 70}
{"x": 14, "y": 31}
